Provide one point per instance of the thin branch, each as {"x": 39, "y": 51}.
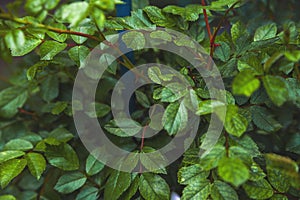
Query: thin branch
{"x": 206, "y": 20}
{"x": 213, "y": 38}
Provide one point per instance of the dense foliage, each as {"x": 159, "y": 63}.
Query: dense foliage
{"x": 255, "y": 45}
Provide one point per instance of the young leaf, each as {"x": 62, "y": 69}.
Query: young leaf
{"x": 75, "y": 12}
{"x": 245, "y": 83}
{"x": 36, "y": 164}
{"x": 117, "y": 183}
{"x": 10, "y": 169}
{"x": 14, "y": 39}
{"x": 70, "y": 182}
{"x": 29, "y": 45}
{"x": 276, "y": 89}
{"x": 233, "y": 170}
{"x": 8, "y": 155}
{"x": 153, "y": 187}
{"x": 157, "y": 17}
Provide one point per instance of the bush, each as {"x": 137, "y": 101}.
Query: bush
{"x": 255, "y": 80}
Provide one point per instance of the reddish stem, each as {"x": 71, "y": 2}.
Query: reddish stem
{"x": 206, "y": 20}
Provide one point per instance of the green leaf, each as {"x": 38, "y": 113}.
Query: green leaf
{"x": 256, "y": 173}
{"x": 293, "y": 144}
{"x": 8, "y": 155}
{"x": 109, "y": 59}
{"x": 50, "y": 88}
{"x": 265, "y": 32}
{"x": 223, "y": 52}
{"x": 7, "y": 197}
{"x": 10, "y": 169}
{"x": 34, "y": 69}
{"x": 11, "y": 99}
{"x": 293, "y": 56}
{"x": 153, "y": 162}
{"x": 190, "y": 174}
{"x": 93, "y": 166}
{"x": 58, "y": 36}
{"x": 223, "y": 191}
{"x": 238, "y": 30}
{"x": 75, "y": 12}
{"x": 59, "y": 107}
{"x": 156, "y": 76}
{"x": 162, "y": 35}
{"x": 233, "y": 170}
{"x": 189, "y": 13}
{"x": 245, "y": 83}
{"x": 62, "y": 156}
{"x": 127, "y": 127}
{"x": 196, "y": 190}
{"x": 86, "y": 28}
{"x": 248, "y": 144}
{"x": 157, "y": 17}
{"x": 209, "y": 106}
{"x": 259, "y": 189}
{"x": 278, "y": 179}
{"x": 117, "y": 183}
{"x": 34, "y": 6}
{"x": 78, "y": 54}
{"x": 173, "y": 92}
{"x": 130, "y": 192}
{"x": 134, "y": 40}
{"x": 142, "y": 99}
{"x": 263, "y": 119}
{"x": 275, "y": 57}
{"x": 175, "y": 118}
{"x": 276, "y": 89}
{"x": 14, "y": 39}
{"x": 235, "y": 123}
{"x": 70, "y": 182}
{"x": 29, "y": 45}
{"x": 153, "y": 187}
{"x": 212, "y": 159}
{"x": 278, "y": 197}
{"x": 60, "y": 135}
{"x": 99, "y": 17}
{"x": 36, "y": 164}
{"x": 49, "y": 49}
{"x": 18, "y": 144}
{"x": 88, "y": 193}
{"x": 100, "y": 108}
